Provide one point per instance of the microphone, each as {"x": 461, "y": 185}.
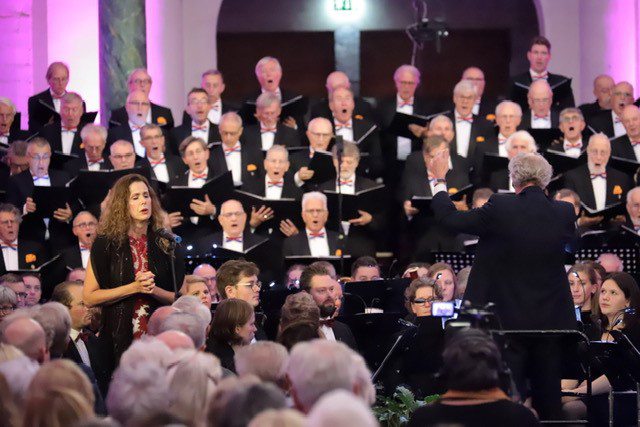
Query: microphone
{"x": 393, "y": 264}
{"x": 166, "y": 234}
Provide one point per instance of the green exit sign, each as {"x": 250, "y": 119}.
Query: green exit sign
{"x": 342, "y": 5}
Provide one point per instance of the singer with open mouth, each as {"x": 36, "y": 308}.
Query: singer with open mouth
{"x": 129, "y": 273}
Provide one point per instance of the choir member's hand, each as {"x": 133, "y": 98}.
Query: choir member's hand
{"x": 288, "y": 228}
{"x": 63, "y": 215}
{"x": 105, "y": 202}
{"x": 144, "y": 282}
{"x": 290, "y": 122}
{"x": 364, "y": 218}
{"x": 175, "y": 219}
{"x": 620, "y": 219}
{"x": 305, "y": 173}
{"x": 417, "y": 130}
{"x": 589, "y": 221}
{"x": 29, "y": 205}
{"x": 462, "y": 204}
{"x": 259, "y": 216}
{"x": 439, "y": 164}
{"x": 203, "y": 207}
{"x": 408, "y": 209}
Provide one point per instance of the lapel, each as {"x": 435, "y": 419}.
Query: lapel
{"x": 360, "y": 128}
{"x": 588, "y": 195}
{"x": 332, "y": 239}
{"x": 77, "y": 140}
{"x": 23, "y": 251}
{"x": 3, "y": 268}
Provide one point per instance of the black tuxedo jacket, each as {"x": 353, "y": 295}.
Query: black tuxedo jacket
{"x": 621, "y": 147}
{"x": 27, "y": 247}
{"x": 182, "y": 179}
{"x": 40, "y": 114}
{"x": 284, "y": 136}
{"x": 179, "y": 133}
{"x": 226, "y": 107}
{"x": 289, "y": 188}
{"x": 298, "y": 244}
{"x": 5, "y": 173}
{"x": 479, "y": 129}
{"x": 372, "y": 164}
{"x": 489, "y": 145}
{"x": 602, "y": 121}
{"x": 591, "y": 109}
{"x": 160, "y": 115}
{"x": 285, "y": 95}
{"x": 17, "y": 135}
{"x": 33, "y": 227}
{"x": 343, "y": 334}
{"x": 361, "y": 108}
{"x": 204, "y": 244}
{"x": 579, "y": 180}
{"x": 527, "y": 232}
{"x": 415, "y": 179}
{"x": 361, "y": 184}
{"x": 53, "y": 134}
{"x": 175, "y": 167}
{"x": 99, "y": 364}
{"x": 518, "y": 95}
{"x": 499, "y": 180}
{"x": 72, "y": 167}
{"x": 526, "y": 119}
{"x": 70, "y": 258}
{"x": 249, "y": 155}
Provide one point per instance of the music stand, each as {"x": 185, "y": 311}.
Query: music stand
{"x": 387, "y": 295}
{"x": 626, "y": 359}
{"x": 630, "y": 256}
{"x": 457, "y": 260}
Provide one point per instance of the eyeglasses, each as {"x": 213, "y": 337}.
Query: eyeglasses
{"x": 423, "y": 300}
{"x": 257, "y": 284}
{"x": 86, "y": 224}
{"x": 9, "y": 222}
{"x": 148, "y": 137}
{"x": 321, "y": 135}
{"x": 138, "y": 104}
{"x": 6, "y": 309}
{"x": 142, "y": 81}
{"x": 231, "y": 214}
{"x": 314, "y": 211}
{"x": 40, "y": 158}
{"x": 570, "y": 119}
{"x": 122, "y": 156}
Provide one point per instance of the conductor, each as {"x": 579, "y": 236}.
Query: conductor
{"x": 519, "y": 266}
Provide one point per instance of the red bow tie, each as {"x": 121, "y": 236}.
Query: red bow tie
{"x": 84, "y": 336}
{"x": 617, "y": 119}
{"x": 344, "y": 126}
{"x": 408, "y": 103}
{"x": 69, "y": 129}
{"x": 199, "y": 128}
{"x": 202, "y": 176}
{"x": 215, "y": 107}
{"x": 266, "y": 130}
{"x": 461, "y": 119}
{"x": 327, "y": 322}
{"x": 432, "y": 179}
{"x": 229, "y": 151}
{"x": 599, "y": 175}
{"x": 570, "y": 145}
{"x": 634, "y": 143}
{"x": 35, "y": 178}
{"x": 544, "y": 75}
{"x": 162, "y": 161}
{"x": 135, "y": 128}
{"x": 275, "y": 184}
{"x": 537, "y": 117}
{"x": 233, "y": 239}
{"x": 84, "y": 247}
{"x": 97, "y": 162}
{"x": 502, "y": 140}
{"x": 313, "y": 235}
{"x": 9, "y": 246}
{"x": 348, "y": 182}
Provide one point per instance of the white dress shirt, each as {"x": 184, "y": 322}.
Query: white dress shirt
{"x": 81, "y": 347}
{"x": 476, "y": 107}
{"x": 135, "y": 133}
{"x": 233, "y": 158}
{"x": 540, "y": 122}
{"x": 93, "y": 166}
{"x": 160, "y": 169}
{"x": 347, "y": 186}
{"x": 273, "y": 189}
{"x": 57, "y": 102}
{"x": 636, "y": 150}
{"x": 404, "y": 144}
{"x": 344, "y": 129}
{"x": 193, "y": 182}
{"x": 67, "y": 139}
{"x": 535, "y": 76}
{"x": 200, "y": 131}
{"x": 572, "y": 149}
{"x": 502, "y": 145}
{"x": 318, "y": 246}
{"x": 267, "y": 136}
{"x": 215, "y": 112}
{"x": 232, "y": 245}
{"x": 4, "y": 139}
{"x": 463, "y": 133}
{"x": 599, "y": 185}
{"x": 328, "y": 332}
{"x": 10, "y": 256}
{"x": 85, "y": 253}
{"x": 618, "y": 127}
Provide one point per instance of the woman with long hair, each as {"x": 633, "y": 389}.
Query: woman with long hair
{"x": 129, "y": 272}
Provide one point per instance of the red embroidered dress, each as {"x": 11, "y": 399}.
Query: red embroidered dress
{"x": 141, "y": 308}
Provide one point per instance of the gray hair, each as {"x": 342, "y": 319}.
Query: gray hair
{"x": 630, "y": 194}
{"x": 231, "y": 115}
{"x": 189, "y": 323}
{"x": 522, "y": 135}
{"x": 530, "y": 168}
{"x": 19, "y": 372}
{"x": 340, "y": 408}
{"x": 191, "y": 304}
{"x": 135, "y": 70}
{"x": 314, "y": 195}
{"x": 439, "y": 118}
{"x": 89, "y": 128}
{"x": 71, "y": 97}
{"x": 405, "y": 67}
{"x": 137, "y": 392}
{"x": 318, "y": 367}
{"x": 277, "y": 147}
{"x": 147, "y": 350}
{"x": 265, "y": 60}
{"x": 464, "y": 86}
{"x": 571, "y": 110}
{"x": 504, "y": 104}
{"x": 8, "y": 296}
{"x": 6, "y": 101}
{"x": 266, "y": 360}
{"x": 56, "y": 322}
{"x": 267, "y": 99}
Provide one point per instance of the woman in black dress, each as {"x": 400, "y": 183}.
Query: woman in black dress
{"x": 233, "y": 326}
{"x": 129, "y": 273}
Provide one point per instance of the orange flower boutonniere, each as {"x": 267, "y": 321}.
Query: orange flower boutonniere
{"x": 480, "y": 139}
{"x": 251, "y": 167}
{"x": 491, "y": 117}
{"x": 617, "y": 190}
{"x": 82, "y": 146}
{"x": 338, "y": 252}
{"x": 453, "y": 190}
{"x": 162, "y": 121}
{"x": 30, "y": 258}
{"x": 358, "y": 117}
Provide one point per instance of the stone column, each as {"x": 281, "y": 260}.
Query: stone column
{"x": 123, "y": 47}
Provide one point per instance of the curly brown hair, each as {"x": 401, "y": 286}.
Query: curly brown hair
{"x": 115, "y": 221}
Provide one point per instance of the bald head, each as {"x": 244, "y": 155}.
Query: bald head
{"x": 602, "y": 89}
{"x": 631, "y": 120}
{"x": 540, "y": 97}
{"x": 621, "y": 97}
{"x": 337, "y": 79}
{"x": 176, "y": 339}
{"x": 27, "y": 335}
{"x": 158, "y": 317}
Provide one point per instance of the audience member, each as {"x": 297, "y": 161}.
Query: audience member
{"x": 233, "y": 327}
{"x": 364, "y": 269}
{"x": 611, "y": 262}
{"x": 340, "y": 408}
{"x": 266, "y": 360}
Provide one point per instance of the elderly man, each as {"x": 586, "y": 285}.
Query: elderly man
{"x": 539, "y": 55}
{"x": 628, "y": 146}
{"x": 572, "y": 125}
{"x": 27, "y": 335}
{"x": 164, "y": 166}
{"x": 16, "y": 157}
{"x": 140, "y": 80}
{"x": 633, "y": 209}
{"x": 9, "y": 132}
{"x": 15, "y": 250}
{"x": 85, "y": 226}
{"x": 20, "y": 192}
{"x": 485, "y": 105}
{"x": 319, "y": 132}
{"x": 122, "y": 155}
{"x": 597, "y": 184}
{"x": 528, "y": 232}
{"x": 610, "y": 122}
{"x": 64, "y": 137}
{"x": 337, "y": 79}
{"x": 208, "y": 273}
{"x": 519, "y": 142}
{"x": 269, "y": 131}
{"x": 44, "y": 107}
{"x": 94, "y": 140}
{"x": 137, "y": 109}
{"x": 243, "y": 160}
{"x": 602, "y": 90}
{"x": 363, "y": 132}
{"x": 198, "y": 125}
{"x": 234, "y": 235}
{"x": 540, "y": 114}
{"x": 316, "y": 240}
{"x": 470, "y": 130}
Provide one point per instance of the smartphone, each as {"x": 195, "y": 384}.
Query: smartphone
{"x": 442, "y": 309}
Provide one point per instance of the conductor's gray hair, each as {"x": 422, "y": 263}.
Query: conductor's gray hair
{"x": 530, "y": 168}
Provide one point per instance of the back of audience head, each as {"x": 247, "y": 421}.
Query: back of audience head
{"x": 190, "y": 324}
{"x": 9, "y": 412}
{"x": 480, "y": 197}
{"x": 147, "y": 350}
{"x": 231, "y": 322}
{"x": 19, "y": 372}
{"x": 341, "y": 408}
{"x": 364, "y": 269}
{"x": 158, "y": 317}
{"x": 26, "y": 334}
{"x": 176, "y": 339}
{"x": 299, "y": 320}
{"x": 266, "y": 360}
{"x": 278, "y": 418}
{"x": 56, "y": 322}
{"x": 192, "y": 304}
{"x": 611, "y": 262}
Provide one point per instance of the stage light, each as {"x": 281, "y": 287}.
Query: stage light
{"x": 344, "y": 11}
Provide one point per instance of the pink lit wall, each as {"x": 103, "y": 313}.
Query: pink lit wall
{"x": 622, "y": 20}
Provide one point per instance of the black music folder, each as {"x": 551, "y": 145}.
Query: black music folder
{"x": 609, "y": 212}
{"x": 544, "y": 137}
{"x": 322, "y": 165}
{"x": 367, "y": 200}
{"x": 282, "y": 208}
{"x": 179, "y": 198}
{"x": 629, "y": 167}
{"x": 561, "y": 162}
{"x": 48, "y": 199}
{"x": 58, "y": 159}
{"x": 92, "y": 186}
{"x": 400, "y": 123}
{"x": 457, "y": 194}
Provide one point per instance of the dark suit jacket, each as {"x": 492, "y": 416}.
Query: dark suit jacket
{"x": 70, "y": 258}
{"x": 371, "y": 165}
{"x": 479, "y": 128}
{"x": 249, "y": 155}
{"x": 284, "y": 136}
{"x": 99, "y": 363}
{"x": 487, "y": 109}
{"x": 204, "y": 244}
{"x": 591, "y": 109}
{"x": 621, "y": 147}
{"x": 602, "y": 122}
{"x": 72, "y": 167}
{"x": 343, "y": 334}
{"x": 26, "y": 247}
{"x": 519, "y": 95}
{"x": 226, "y": 107}
{"x": 499, "y": 180}
{"x": 39, "y": 114}
{"x": 527, "y": 233}
{"x": 298, "y": 244}
{"x": 250, "y": 119}
{"x": 175, "y": 166}
{"x": 526, "y": 119}
{"x": 415, "y": 179}
{"x": 179, "y": 133}
{"x": 53, "y": 134}
{"x": 18, "y": 135}
{"x": 222, "y": 351}
{"x": 117, "y": 133}
{"x": 579, "y": 180}
{"x": 159, "y": 115}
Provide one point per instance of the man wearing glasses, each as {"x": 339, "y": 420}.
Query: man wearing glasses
{"x": 94, "y": 140}
{"x": 610, "y": 122}
{"x": 56, "y": 230}
{"x": 84, "y": 228}
{"x": 137, "y": 108}
{"x": 319, "y": 133}
{"x": 15, "y": 283}
{"x": 540, "y": 115}
{"x": 198, "y": 125}
{"x": 14, "y": 249}
{"x": 164, "y": 166}
{"x": 572, "y": 125}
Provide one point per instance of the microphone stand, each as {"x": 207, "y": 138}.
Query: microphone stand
{"x": 341, "y": 234}
{"x": 172, "y": 256}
